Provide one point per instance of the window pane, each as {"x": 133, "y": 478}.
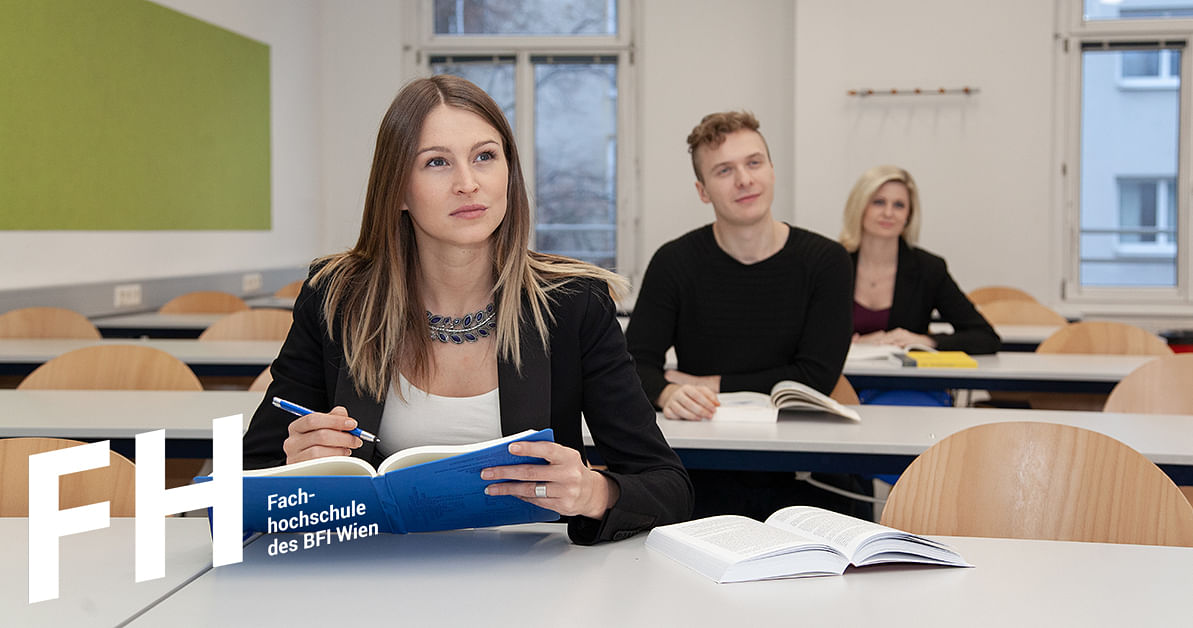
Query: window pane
{"x": 575, "y": 126}
{"x": 495, "y": 75}
{"x": 1128, "y": 151}
{"x": 1136, "y": 9}
{"x": 1141, "y": 63}
{"x": 525, "y": 17}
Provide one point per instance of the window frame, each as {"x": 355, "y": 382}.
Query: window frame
{"x": 1069, "y": 109}
{"x": 420, "y": 30}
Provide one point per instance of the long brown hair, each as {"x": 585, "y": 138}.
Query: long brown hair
{"x": 372, "y": 289}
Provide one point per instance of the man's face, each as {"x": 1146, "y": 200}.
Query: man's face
{"x": 739, "y": 179}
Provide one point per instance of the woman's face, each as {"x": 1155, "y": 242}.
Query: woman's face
{"x": 457, "y": 191}
{"x": 887, "y": 213}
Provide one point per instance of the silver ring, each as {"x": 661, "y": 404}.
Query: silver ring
{"x": 540, "y": 490}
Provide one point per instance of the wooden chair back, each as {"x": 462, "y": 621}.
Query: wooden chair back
{"x": 114, "y": 483}
{"x": 262, "y": 382}
{"x": 989, "y": 294}
{"x": 262, "y": 324}
{"x": 1104, "y": 337}
{"x": 46, "y": 322}
{"x": 844, "y": 393}
{"x": 204, "y": 302}
{"x": 289, "y": 290}
{"x": 1020, "y": 313}
{"x": 1029, "y": 480}
{"x": 1161, "y": 386}
{"x": 113, "y": 367}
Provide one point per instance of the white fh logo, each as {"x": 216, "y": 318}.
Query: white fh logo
{"x": 223, "y": 493}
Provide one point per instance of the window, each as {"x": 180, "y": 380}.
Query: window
{"x": 1126, "y": 165}
{"x": 1149, "y": 69}
{"x": 558, "y": 68}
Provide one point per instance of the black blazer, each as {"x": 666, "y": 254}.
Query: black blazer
{"x": 587, "y": 369}
{"x": 923, "y": 284}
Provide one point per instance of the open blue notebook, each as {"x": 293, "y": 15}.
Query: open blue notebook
{"x": 421, "y": 489}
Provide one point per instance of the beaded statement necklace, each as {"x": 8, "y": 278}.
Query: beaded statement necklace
{"x": 467, "y": 328}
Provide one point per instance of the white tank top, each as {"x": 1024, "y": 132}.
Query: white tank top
{"x": 426, "y": 419}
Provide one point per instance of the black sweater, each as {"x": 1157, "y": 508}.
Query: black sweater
{"x": 786, "y": 317}
{"x": 923, "y": 284}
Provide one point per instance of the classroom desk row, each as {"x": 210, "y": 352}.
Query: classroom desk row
{"x": 158, "y": 325}
{"x": 1001, "y": 371}
{"x": 531, "y": 574}
{"x": 885, "y": 441}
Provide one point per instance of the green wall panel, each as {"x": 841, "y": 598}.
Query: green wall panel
{"x": 125, "y": 115}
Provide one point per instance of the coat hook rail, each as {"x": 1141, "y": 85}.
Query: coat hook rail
{"x": 915, "y": 91}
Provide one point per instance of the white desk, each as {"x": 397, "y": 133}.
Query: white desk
{"x": 120, "y": 415}
{"x": 155, "y": 325}
{"x": 96, "y": 577}
{"x": 531, "y": 575}
{"x": 885, "y": 440}
{"x": 1014, "y": 337}
{"x": 19, "y": 356}
{"x": 889, "y": 437}
{"x": 279, "y": 303}
{"x": 1004, "y": 371}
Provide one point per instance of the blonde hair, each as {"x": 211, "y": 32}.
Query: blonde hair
{"x": 712, "y": 131}
{"x": 859, "y": 198}
{"x": 371, "y": 289}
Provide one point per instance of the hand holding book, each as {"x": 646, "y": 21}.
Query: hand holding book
{"x": 565, "y": 484}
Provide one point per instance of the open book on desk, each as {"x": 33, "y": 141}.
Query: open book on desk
{"x": 865, "y": 352}
{"x": 794, "y": 542}
{"x": 785, "y": 395}
{"x": 421, "y": 489}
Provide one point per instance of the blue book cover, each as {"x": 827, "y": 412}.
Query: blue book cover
{"x": 420, "y": 489}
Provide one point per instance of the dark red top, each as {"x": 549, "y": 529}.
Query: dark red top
{"x": 866, "y": 320}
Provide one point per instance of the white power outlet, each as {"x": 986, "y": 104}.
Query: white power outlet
{"x": 127, "y": 295}
{"x": 250, "y": 282}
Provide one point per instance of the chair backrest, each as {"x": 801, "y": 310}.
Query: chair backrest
{"x": 289, "y": 290}
{"x": 114, "y": 483}
{"x": 46, "y": 322}
{"x": 1104, "y": 337}
{"x": 262, "y": 382}
{"x": 262, "y": 324}
{"x": 989, "y": 294}
{"x": 1161, "y": 386}
{"x": 204, "y": 302}
{"x": 113, "y": 367}
{"x": 844, "y": 393}
{"x": 1030, "y": 480}
{"x": 1020, "y": 313}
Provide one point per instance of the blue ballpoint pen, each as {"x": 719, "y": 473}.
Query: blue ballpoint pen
{"x": 297, "y": 410}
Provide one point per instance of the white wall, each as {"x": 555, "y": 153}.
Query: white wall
{"x": 697, "y": 57}
{"x": 289, "y": 27}
{"x": 361, "y": 69}
{"x": 983, "y": 163}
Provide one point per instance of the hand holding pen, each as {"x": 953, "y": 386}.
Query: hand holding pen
{"x": 317, "y": 434}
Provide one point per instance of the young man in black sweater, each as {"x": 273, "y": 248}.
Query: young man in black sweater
{"x": 747, "y": 301}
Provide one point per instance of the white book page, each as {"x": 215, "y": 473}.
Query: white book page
{"x": 331, "y": 465}
{"x": 842, "y": 532}
{"x": 745, "y": 406}
{"x": 734, "y": 538}
{"x": 429, "y": 453}
{"x": 792, "y": 395}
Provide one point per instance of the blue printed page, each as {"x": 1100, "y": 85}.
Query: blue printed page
{"x": 308, "y": 503}
{"x": 449, "y": 494}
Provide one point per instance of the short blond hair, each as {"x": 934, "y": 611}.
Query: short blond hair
{"x": 714, "y": 127}
{"x": 859, "y": 197}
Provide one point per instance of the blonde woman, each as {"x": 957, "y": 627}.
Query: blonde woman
{"x": 896, "y": 284}
{"x": 441, "y": 327}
